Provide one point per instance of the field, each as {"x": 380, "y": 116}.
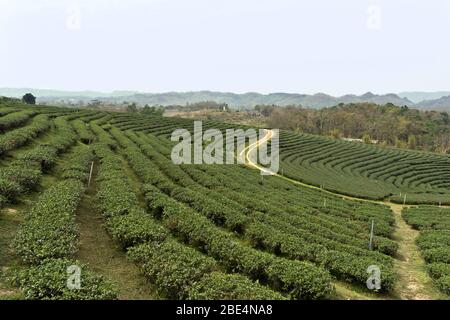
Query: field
{"x": 210, "y": 231}
{"x": 367, "y": 171}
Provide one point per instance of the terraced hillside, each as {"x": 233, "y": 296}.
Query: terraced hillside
{"x": 366, "y": 171}
{"x": 354, "y": 169}
{"x": 220, "y": 231}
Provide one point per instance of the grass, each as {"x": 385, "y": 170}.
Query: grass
{"x": 10, "y": 220}
{"x": 413, "y": 282}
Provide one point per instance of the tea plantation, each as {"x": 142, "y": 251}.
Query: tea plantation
{"x": 211, "y": 231}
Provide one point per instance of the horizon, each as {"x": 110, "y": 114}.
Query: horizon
{"x": 226, "y": 46}
{"x": 221, "y": 91}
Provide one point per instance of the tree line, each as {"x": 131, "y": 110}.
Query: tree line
{"x": 384, "y": 124}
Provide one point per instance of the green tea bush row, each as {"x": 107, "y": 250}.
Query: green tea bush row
{"x": 82, "y": 128}
{"x": 365, "y": 171}
{"x": 173, "y": 267}
{"x": 357, "y": 259}
{"x": 49, "y": 230}
{"x": 48, "y": 281}
{"x": 311, "y": 282}
{"x": 13, "y": 120}
{"x": 49, "y": 238}
{"x": 4, "y": 111}
{"x": 313, "y": 246}
{"x": 25, "y": 172}
{"x": 221, "y": 286}
{"x": 18, "y": 137}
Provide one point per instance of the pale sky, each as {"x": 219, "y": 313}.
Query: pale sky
{"x": 336, "y": 47}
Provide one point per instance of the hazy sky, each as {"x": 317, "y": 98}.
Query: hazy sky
{"x": 336, "y": 47}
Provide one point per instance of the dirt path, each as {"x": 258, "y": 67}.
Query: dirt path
{"x": 10, "y": 220}
{"x": 413, "y": 281}
{"x": 105, "y": 256}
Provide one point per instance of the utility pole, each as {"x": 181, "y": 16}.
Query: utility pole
{"x": 371, "y": 236}
{"x": 90, "y": 174}
{"x": 404, "y": 200}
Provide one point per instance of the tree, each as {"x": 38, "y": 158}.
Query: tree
{"x": 29, "y": 99}
{"x": 412, "y": 142}
{"x": 366, "y": 139}
{"x": 335, "y": 133}
{"x": 153, "y": 110}
{"x": 399, "y": 143}
{"x": 132, "y": 107}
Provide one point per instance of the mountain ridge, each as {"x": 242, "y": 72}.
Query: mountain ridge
{"x": 246, "y": 100}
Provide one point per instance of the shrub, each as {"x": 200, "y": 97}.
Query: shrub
{"x": 50, "y": 230}
{"x": 440, "y": 254}
{"x": 48, "y": 281}
{"x": 173, "y": 267}
{"x": 220, "y": 286}
{"x": 18, "y": 137}
{"x": 301, "y": 280}
{"x": 444, "y": 284}
{"x": 135, "y": 228}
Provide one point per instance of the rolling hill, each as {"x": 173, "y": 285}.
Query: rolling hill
{"x": 206, "y": 231}
{"x": 247, "y": 100}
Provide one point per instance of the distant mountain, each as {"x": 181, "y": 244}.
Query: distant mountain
{"x": 441, "y": 104}
{"x": 419, "y": 96}
{"x": 19, "y": 92}
{"x": 377, "y": 99}
{"x": 247, "y": 100}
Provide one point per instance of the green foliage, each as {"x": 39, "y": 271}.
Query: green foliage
{"x": 433, "y": 241}
{"x": 50, "y": 230}
{"x": 428, "y": 218}
{"x": 28, "y": 98}
{"x": 173, "y": 267}
{"x": 302, "y": 280}
{"x": 153, "y": 110}
{"x": 132, "y": 108}
{"x": 13, "y": 120}
{"x": 48, "y": 281}
{"x": 135, "y": 228}
{"x": 82, "y": 128}
{"x": 366, "y": 139}
{"x": 18, "y": 137}
{"x": 25, "y": 172}
{"x": 127, "y": 223}
{"x": 365, "y": 170}
{"x": 219, "y": 286}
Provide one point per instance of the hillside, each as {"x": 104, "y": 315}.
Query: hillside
{"x": 419, "y": 96}
{"x": 206, "y": 231}
{"x": 251, "y": 99}
{"x": 442, "y": 104}
{"x": 248, "y": 100}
